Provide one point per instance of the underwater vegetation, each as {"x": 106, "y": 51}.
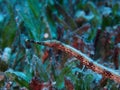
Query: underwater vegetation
{"x": 59, "y": 44}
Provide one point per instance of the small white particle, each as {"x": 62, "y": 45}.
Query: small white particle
{"x": 46, "y": 35}
{"x": 6, "y": 54}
